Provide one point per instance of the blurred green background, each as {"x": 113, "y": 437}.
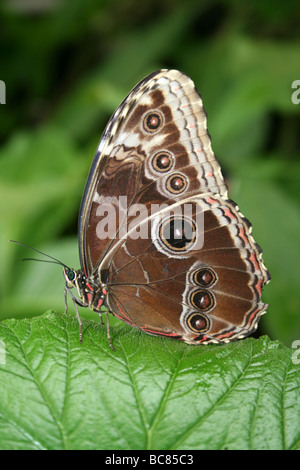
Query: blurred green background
{"x": 68, "y": 64}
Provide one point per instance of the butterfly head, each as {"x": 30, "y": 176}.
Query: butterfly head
{"x": 70, "y": 277}
{"x": 78, "y": 280}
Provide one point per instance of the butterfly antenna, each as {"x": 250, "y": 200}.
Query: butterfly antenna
{"x": 54, "y": 260}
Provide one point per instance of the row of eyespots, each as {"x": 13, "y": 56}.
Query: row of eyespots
{"x": 163, "y": 161}
{"x": 202, "y": 299}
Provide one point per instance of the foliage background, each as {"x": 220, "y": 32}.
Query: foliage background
{"x": 68, "y": 64}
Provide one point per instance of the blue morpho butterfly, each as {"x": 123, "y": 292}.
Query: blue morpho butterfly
{"x": 149, "y": 269}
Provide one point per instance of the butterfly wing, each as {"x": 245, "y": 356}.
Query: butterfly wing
{"x": 154, "y": 150}
{"x": 207, "y": 291}
{"x": 155, "y": 157}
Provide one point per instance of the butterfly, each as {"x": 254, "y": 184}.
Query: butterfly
{"x": 161, "y": 245}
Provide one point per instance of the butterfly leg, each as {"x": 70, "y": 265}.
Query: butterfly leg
{"x": 78, "y": 318}
{"x": 101, "y": 319}
{"x": 108, "y": 333}
{"x": 65, "y": 298}
{"x": 75, "y": 302}
{"x": 74, "y": 298}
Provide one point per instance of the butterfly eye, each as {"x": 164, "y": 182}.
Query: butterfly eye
{"x": 152, "y": 121}
{"x": 70, "y": 275}
{"x": 197, "y": 322}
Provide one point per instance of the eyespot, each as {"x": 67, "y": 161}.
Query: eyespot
{"x": 202, "y": 300}
{"x": 162, "y": 161}
{"x": 152, "y": 121}
{"x": 178, "y": 233}
{"x": 205, "y": 277}
{"x": 176, "y": 183}
{"x": 197, "y": 322}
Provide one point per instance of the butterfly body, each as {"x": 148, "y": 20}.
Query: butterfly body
{"x": 161, "y": 245}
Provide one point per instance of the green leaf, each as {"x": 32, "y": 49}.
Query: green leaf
{"x": 151, "y": 393}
